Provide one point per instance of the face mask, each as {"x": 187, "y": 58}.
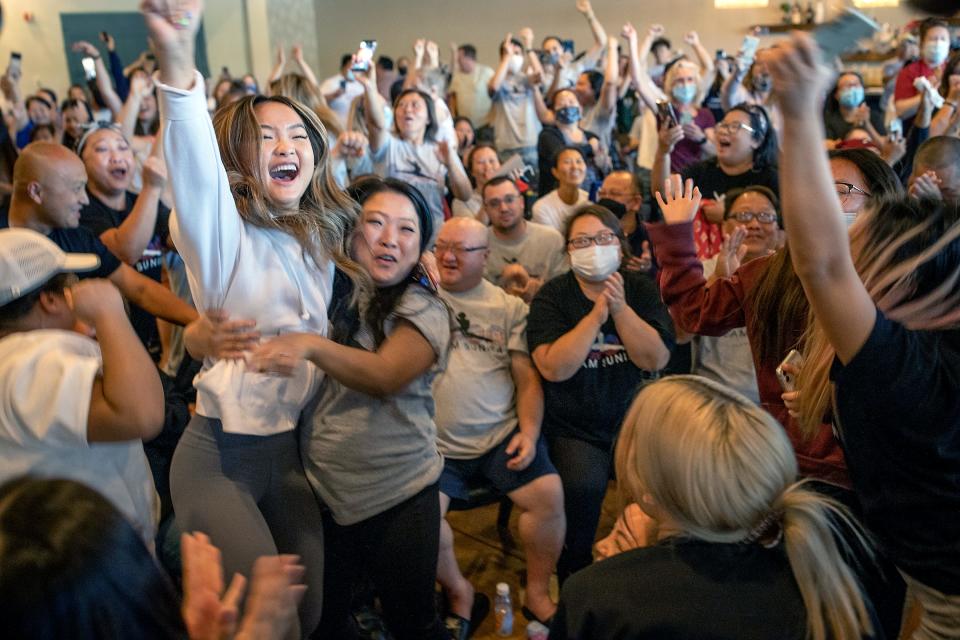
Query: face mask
{"x": 936, "y": 52}
{"x": 402, "y": 71}
{"x": 849, "y": 218}
{"x": 762, "y": 84}
{"x": 684, "y": 93}
{"x": 349, "y": 76}
{"x": 251, "y": 88}
{"x": 851, "y": 97}
{"x": 568, "y": 115}
{"x": 516, "y": 63}
{"x": 595, "y": 263}
{"x": 616, "y": 208}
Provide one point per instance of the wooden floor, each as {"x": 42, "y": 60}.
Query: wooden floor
{"x": 484, "y": 561}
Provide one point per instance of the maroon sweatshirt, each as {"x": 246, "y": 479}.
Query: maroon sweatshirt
{"x": 726, "y": 304}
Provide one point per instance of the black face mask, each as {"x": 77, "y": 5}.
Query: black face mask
{"x": 615, "y": 207}
{"x": 402, "y": 71}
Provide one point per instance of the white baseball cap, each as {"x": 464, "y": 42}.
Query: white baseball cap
{"x": 28, "y": 259}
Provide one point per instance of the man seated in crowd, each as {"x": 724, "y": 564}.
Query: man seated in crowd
{"x": 70, "y": 407}
{"x": 133, "y": 227}
{"x": 523, "y": 255}
{"x": 492, "y": 434}
{"x": 49, "y": 190}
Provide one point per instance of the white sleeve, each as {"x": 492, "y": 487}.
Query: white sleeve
{"x": 206, "y": 227}
{"x": 46, "y": 392}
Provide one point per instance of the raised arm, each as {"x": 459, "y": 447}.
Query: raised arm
{"x": 501, "y": 72}
{"x": 649, "y": 92}
{"x": 206, "y": 227}
{"x": 611, "y": 79}
{"x": 373, "y": 109}
{"x": 140, "y": 88}
{"x": 129, "y": 240}
{"x": 304, "y": 67}
{"x": 819, "y": 244}
{"x": 732, "y": 91}
{"x": 278, "y": 67}
{"x": 110, "y": 98}
{"x": 599, "y": 33}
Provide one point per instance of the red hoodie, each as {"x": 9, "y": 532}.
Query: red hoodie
{"x": 725, "y": 305}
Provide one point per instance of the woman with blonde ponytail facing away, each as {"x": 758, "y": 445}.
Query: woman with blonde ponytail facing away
{"x": 743, "y": 551}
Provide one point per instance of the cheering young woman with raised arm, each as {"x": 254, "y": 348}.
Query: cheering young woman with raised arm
{"x": 260, "y": 227}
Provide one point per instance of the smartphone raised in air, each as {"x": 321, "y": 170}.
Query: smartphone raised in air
{"x": 363, "y": 58}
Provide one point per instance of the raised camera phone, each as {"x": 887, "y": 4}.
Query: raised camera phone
{"x": 363, "y": 58}
{"x": 89, "y": 68}
{"x": 788, "y": 381}
{"x": 665, "y": 113}
{"x": 14, "y": 68}
{"x": 842, "y": 33}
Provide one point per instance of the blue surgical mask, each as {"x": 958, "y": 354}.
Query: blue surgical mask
{"x": 684, "y": 93}
{"x": 568, "y": 115}
{"x": 936, "y": 52}
{"x": 851, "y": 97}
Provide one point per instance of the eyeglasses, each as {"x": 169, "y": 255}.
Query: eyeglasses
{"x": 496, "y": 202}
{"x": 733, "y": 127}
{"x": 456, "y": 249}
{"x": 844, "y": 189}
{"x": 765, "y": 217}
{"x": 601, "y": 239}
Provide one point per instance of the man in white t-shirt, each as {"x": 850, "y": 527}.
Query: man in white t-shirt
{"x": 492, "y": 433}
{"x": 70, "y": 407}
{"x": 340, "y": 90}
{"x": 553, "y": 209}
{"x": 523, "y": 255}
{"x": 468, "y": 89}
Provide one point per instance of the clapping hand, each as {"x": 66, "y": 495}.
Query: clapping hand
{"x": 926, "y": 186}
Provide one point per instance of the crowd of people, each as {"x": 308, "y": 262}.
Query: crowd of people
{"x": 257, "y": 339}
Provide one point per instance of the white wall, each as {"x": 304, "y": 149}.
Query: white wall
{"x": 341, "y": 24}
{"x": 41, "y": 41}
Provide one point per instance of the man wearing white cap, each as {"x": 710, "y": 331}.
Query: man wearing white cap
{"x": 70, "y": 407}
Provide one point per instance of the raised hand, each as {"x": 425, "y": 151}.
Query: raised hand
{"x": 281, "y": 56}
{"x": 419, "y": 47}
{"x": 584, "y": 7}
{"x": 679, "y": 201}
{"x": 656, "y": 30}
{"x": 798, "y": 77}
{"x": 350, "y": 144}
{"x": 154, "y": 172}
{"x": 526, "y": 35}
{"x": 629, "y": 32}
{"x": 85, "y": 48}
{"x": 108, "y": 40}
{"x": 433, "y": 53}
{"x": 669, "y": 137}
{"x": 141, "y": 85}
{"x": 443, "y": 152}
{"x": 732, "y": 252}
{"x": 507, "y": 46}
{"x": 692, "y": 38}
{"x": 926, "y": 187}
{"x": 172, "y": 26}
{"x": 642, "y": 263}
{"x": 297, "y": 52}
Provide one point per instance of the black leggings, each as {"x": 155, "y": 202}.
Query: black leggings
{"x": 397, "y": 549}
{"x": 584, "y": 471}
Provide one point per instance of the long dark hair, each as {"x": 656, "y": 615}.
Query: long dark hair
{"x": 430, "y": 134}
{"x": 765, "y": 155}
{"x": 385, "y": 299}
{"x": 881, "y": 180}
{"x": 71, "y": 566}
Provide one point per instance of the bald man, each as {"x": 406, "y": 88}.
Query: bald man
{"x": 49, "y": 189}
{"x": 489, "y": 406}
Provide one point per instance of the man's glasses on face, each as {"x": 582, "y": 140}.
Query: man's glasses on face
{"x": 495, "y": 203}
{"x": 765, "y": 217}
{"x": 458, "y": 250}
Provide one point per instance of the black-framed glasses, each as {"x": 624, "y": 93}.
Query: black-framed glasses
{"x": 844, "y": 189}
{"x": 456, "y": 249}
{"x": 494, "y": 203}
{"x": 765, "y": 217}
{"x": 601, "y": 239}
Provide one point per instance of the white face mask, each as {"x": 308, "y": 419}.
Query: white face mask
{"x": 849, "y": 218}
{"x": 516, "y": 63}
{"x": 595, "y": 263}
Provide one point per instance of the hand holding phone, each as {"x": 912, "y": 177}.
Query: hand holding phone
{"x": 14, "y": 68}
{"x": 665, "y": 113}
{"x": 363, "y": 58}
{"x": 788, "y": 369}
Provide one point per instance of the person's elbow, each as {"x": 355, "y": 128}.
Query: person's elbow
{"x": 653, "y": 358}
{"x": 148, "y": 422}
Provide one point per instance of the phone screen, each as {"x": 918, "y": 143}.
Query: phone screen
{"x": 89, "y": 68}
{"x": 364, "y": 56}
{"x": 15, "y": 58}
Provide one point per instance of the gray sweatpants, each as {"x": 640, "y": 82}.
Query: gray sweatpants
{"x": 250, "y": 495}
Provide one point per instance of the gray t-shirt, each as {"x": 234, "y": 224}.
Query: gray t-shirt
{"x": 476, "y": 395}
{"x": 364, "y": 454}
{"x": 418, "y": 165}
{"x": 540, "y": 252}
{"x": 726, "y": 359}
{"x": 514, "y": 114}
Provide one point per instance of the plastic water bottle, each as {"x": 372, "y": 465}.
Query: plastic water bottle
{"x": 503, "y": 610}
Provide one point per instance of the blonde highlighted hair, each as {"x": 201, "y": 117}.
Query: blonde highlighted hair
{"x": 907, "y": 253}
{"x": 723, "y": 469}
{"x": 326, "y": 216}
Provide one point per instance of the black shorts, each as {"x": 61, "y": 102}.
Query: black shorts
{"x": 492, "y": 468}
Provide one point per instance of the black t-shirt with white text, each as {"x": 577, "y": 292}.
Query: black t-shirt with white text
{"x": 591, "y": 404}
{"x": 712, "y": 180}
{"x": 98, "y": 218}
